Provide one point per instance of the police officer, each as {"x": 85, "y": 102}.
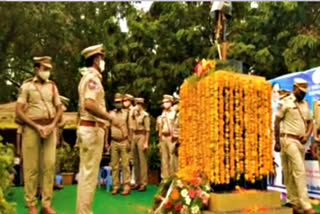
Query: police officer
{"x": 293, "y": 113}
{"x": 128, "y": 106}
{"x": 175, "y": 135}
{"x": 40, "y": 108}
{"x": 139, "y": 123}
{"x": 92, "y": 125}
{"x": 316, "y": 129}
{"x": 119, "y": 147}
{"x": 165, "y": 136}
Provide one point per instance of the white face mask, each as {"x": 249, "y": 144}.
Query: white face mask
{"x": 126, "y": 104}
{"x": 44, "y": 75}
{"x": 102, "y": 65}
{"x": 166, "y": 105}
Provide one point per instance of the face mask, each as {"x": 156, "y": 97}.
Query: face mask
{"x": 166, "y": 105}
{"x": 139, "y": 107}
{"x": 118, "y": 106}
{"x": 44, "y": 75}
{"x": 300, "y": 96}
{"x": 126, "y": 104}
{"x": 102, "y": 65}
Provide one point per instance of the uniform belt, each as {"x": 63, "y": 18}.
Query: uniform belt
{"x": 139, "y": 132}
{"x": 92, "y": 123}
{"x": 120, "y": 140}
{"x": 43, "y": 121}
{"x": 296, "y": 137}
{"x": 174, "y": 138}
{"x": 166, "y": 134}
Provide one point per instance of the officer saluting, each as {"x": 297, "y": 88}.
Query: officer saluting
{"x": 296, "y": 127}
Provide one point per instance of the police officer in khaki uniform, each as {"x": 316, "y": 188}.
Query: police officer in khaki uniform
{"x": 127, "y": 106}
{"x": 166, "y": 145}
{"x": 139, "y": 123}
{"x": 293, "y": 113}
{"x": 316, "y": 130}
{"x": 175, "y": 135}
{"x": 39, "y": 107}
{"x": 92, "y": 125}
{"x": 128, "y": 100}
{"x": 120, "y": 147}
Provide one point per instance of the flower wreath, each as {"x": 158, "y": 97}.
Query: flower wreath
{"x": 175, "y": 195}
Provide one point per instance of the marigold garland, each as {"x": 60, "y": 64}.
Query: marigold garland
{"x": 226, "y": 127}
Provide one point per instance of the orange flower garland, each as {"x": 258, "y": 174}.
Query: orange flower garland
{"x": 225, "y": 127}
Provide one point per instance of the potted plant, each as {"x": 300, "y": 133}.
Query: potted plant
{"x": 6, "y": 170}
{"x": 69, "y": 162}
{"x": 153, "y": 163}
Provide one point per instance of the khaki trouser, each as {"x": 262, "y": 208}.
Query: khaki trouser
{"x": 90, "y": 141}
{"x": 140, "y": 159}
{"x": 294, "y": 172}
{"x": 119, "y": 153}
{"x": 167, "y": 159}
{"x": 174, "y": 158}
{"x": 130, "y": 156}
{"x": 38, "y": 152}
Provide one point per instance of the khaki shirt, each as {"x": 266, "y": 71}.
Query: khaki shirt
{"x": 39, "y": 106}
{"x": 139, "y": 121}
{"x": 158, "y": 123}
{"x": 316, "y": 113}
{"x": 176, "y": 127}
{"x": 292, "y": 122}
{"x": 90, "y": 87}
{"x": 166, "y": 122}
{"x": 122, "y": 117}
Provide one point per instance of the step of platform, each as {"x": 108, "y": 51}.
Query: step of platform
{"x": 279, "y": 210}
{"x": 224, "y": 202}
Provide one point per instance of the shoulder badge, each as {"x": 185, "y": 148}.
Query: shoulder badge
{"x": 92, "y": 84}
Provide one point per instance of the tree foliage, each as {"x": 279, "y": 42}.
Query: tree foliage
{"x": 161, "y": 47}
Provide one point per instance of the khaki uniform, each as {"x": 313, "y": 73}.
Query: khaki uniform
{"x": 166, "y": 145}
{"x": 90, "y": 139}
{"x": 292, "y": 151}
{"x": 119, "y": 149}
{"x": 175, "y": 140}
{"x": 139, "y": 122}
{"x": 130, "y": 153}
{"x": 316, "y": 116}
{"x": 35, "y": 150}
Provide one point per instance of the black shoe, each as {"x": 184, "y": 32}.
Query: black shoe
{"x": 135, "y": 187}
{"x": 142, "y": 188}
{"x": 288, "y": 205}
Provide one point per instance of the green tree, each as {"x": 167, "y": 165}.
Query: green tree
{"x": 160, "y": 49}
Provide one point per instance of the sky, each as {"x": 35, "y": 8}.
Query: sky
{"x": 140, "y": 5}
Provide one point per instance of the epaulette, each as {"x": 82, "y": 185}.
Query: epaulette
{"x": 145, "y": 113}
{"x": 52, "y": 82}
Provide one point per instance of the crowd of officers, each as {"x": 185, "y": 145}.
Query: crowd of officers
{"x": 39, "y": 109}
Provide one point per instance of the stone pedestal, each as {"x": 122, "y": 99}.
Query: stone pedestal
{"x": 259, "y": 202}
